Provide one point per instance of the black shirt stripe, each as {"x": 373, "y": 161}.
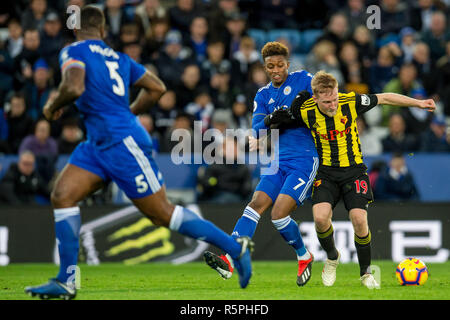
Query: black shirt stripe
{"x": 334, "y": 148}
{"x": 349, "y": 139}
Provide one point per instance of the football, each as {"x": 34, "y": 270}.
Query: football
{"x": 412, "y": 272}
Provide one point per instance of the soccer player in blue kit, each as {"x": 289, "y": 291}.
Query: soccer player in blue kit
{"x": 297, "y": 160}
{"x": 118, "y": 149}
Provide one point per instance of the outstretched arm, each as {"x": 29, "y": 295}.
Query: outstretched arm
{"x": 152, "y": 89}
{"x": 399, "y": 100}
{"x": 70, "y": 88}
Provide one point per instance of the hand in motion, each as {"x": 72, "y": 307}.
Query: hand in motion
{"x": 427, "y": 104}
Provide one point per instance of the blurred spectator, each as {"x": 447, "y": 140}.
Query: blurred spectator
{"x": 437, "y": 137}
{"x": 218, "y": 14}
{"x": 165, "y": 112}
{"x": 243, "y": 59}
{"x": 40, "y": 143}
{"x": 405, "y": 84}
{"x": 337, "y": 31}
{"x": 443, "y": 80}
{"x": 223, "y": 92}
{"x": 407, "y": 43}
{"x": 257, "y": 79}
{"x": 34, "y": 15}
{"x": 355, "y": 12}
{"x": 416, "y": 120}
{"x": 437, "y": 36}
{"x": 425, "y": 69}
{"x": 52, "y": 36}
{"x": 201, "y": 109}
{"x": 71, "y": 136}
{"x": 383, "y": 70}
{"x": 146, "y": 121}
{"x": 155, "y": 38}
{"x": 370, "y": 142}
{"x": 216, "y": 60}
{"x": 19, "y": 122}
{"x": 323, "y": 57}
{"x": 235, "y": 31}
{"x": 398, "y": 140}
{"x": 277, "y": 14}
{"x": 190, "y": 80}
{"x": 148, "y": 12}
{"x": 420, "y": 14}
{"x": 183, "y": 124}
{"x": 30, "y": 53}
{"x": 6, "y": 73}
{"x": 172, "y": 59}
{"x": 226, "y": 182}
{"x": 395, "y": 182}
{"x": 115, "y": 17}
{"x": 198, "y": 38}
{"x": 44, "y": 147}
{"x": 129, "y": 33}
{"x": 38, "y": 90}
{"x": 365, "y": 45}
{"x": 14, "y": 41}
{"x": 134, "y": 51}
{"x": 241, "y": 117}
{"x": 393, "y": 16}
{"x": 182, "y": 14}
{"x": 22, "y": 183}
{"x": 355, "y": 74}
{"x": 4, "y": 147}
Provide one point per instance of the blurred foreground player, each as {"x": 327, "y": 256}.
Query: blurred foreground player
{"x": 331, "y": 116}
{"x": 118, "y": 149}
{"x": 295, "y": 163}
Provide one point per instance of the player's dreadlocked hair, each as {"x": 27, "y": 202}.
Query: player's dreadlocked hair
{"x": 323, "y": 82}
{"x": 274, "y": 49}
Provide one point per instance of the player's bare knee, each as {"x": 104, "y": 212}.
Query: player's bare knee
{"x": 258, "y": 205}
{"x": 60, "y": 199}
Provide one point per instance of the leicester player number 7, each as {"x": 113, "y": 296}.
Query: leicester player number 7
{"x": 302, "y": 182}
{"x": 118, "y": 89}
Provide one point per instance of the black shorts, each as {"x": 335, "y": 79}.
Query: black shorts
{"x": 350, "y": 183}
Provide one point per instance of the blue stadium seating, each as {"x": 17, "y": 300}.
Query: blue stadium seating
{"x": 308, "y": 38}
{"x": 259, "y": 36}
{"x": 292, "y": 35}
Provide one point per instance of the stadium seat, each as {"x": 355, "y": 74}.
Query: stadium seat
{"x": 259, "y": 36}
{"x": 308, "y": 38}
{"x": 292, "y": 35}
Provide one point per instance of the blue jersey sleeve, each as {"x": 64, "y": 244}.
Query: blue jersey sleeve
{"x": 259, "y": 113}
{"x": 136, "y": 70}
{"x": 70, "y": 57}
{"x": 307, "y": 77}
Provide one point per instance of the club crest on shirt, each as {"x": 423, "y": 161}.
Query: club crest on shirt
{"x": 344, "y": 119}
{"x": 317, "y": 183}
{"x": 287, "y": 90}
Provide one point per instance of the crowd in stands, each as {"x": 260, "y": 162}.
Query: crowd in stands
{"x": 207, "y": 52}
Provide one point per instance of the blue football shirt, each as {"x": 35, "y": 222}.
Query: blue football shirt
{"x": 104, "y": 104}
{"x": 293, "y": 143}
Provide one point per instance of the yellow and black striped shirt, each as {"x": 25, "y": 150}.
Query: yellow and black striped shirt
{"x": 336, "y": 138}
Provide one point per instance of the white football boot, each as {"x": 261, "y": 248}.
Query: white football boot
{"x": 369, "y": 281}
{"x": 329, "y": 271}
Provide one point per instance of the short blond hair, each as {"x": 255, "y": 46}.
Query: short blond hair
{"x": 322, "y": 82}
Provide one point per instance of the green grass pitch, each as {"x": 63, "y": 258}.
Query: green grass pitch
{"x": 196, "y": 281}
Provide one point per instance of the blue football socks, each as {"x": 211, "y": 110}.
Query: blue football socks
{"x": 190, "y": 224}
{"x": 288, "y": 229}
{"x": 67, "y": 230}
{"x": 246, "y": 225}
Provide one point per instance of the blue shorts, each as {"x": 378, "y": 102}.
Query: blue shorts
{"x": 293, "y": 179}
{"x": 128, "y": 163}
